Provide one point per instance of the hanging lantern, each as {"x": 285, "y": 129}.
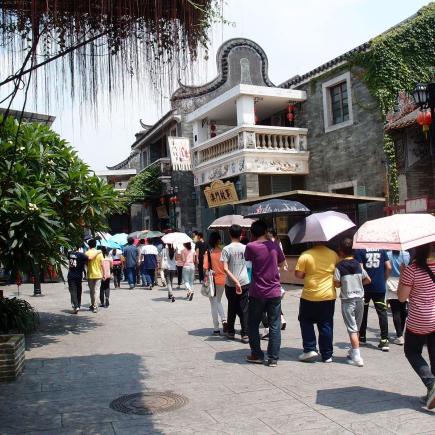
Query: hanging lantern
{"x": 175, "y": 200}
{"x": 162, "y": 201}
{"x": 424, "y": 118}
{"x": 291, "y": 113}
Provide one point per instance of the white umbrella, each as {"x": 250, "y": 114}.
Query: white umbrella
{"x": 320, "y": 227}
{"x": 396, "y": 232}
{"x": 231, "y": 219}
{"x": 176, "y": 238}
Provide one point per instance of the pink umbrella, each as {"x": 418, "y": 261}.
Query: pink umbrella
{"x": 396, "y": 232}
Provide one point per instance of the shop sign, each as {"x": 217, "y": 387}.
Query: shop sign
{"x": 162, "y": 212}
{"x": 220, "y": 193}
{"x": 417, "y": 205}
{"x": 179, "y": 149}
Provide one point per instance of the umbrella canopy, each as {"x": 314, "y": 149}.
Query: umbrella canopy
{"x": 109, "y": 244}
{"x": 276, "y": 207}
{"x": 120, "y": 238}
{"x": 396, "y": 232}
{"x": 176, "y": 238}
{"x": 320, "y": 227}
{"x": 153, "y": 234}
{"x": 231, "y": 219}
{"x": 139, "y": 234}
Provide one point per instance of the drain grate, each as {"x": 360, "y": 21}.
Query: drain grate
{"x": 148, "y": 403}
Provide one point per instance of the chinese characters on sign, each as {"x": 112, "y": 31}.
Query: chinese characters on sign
{"x": 179, "y": 149}
{"x": 220, "y": 193}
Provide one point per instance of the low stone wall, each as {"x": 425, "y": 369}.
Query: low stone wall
{"x": 12, "y": 355}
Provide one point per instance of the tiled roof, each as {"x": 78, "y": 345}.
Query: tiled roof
{"x": 403, "y": 122}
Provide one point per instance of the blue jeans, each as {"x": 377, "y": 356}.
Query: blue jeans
{"x": 256, "y": 308}
{"x": 148, "y": 276}
{"x": 322, "y": 313}
{"x": 131, "y": 276}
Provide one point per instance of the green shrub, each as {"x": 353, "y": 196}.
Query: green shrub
{"x": 17, "y": 315}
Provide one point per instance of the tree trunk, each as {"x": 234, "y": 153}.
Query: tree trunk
{"x": 36, "y": 279}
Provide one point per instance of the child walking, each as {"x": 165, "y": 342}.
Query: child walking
{"x": 350, "y": 277}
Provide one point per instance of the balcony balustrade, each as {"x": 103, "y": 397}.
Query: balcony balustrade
{"x": 255, "y": 138}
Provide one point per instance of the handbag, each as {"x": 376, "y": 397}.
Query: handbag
{"x": 208, "y": 288}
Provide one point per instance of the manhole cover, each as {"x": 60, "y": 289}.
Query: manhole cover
{"x": 148, "y": 403}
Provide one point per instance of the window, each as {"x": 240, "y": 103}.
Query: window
{"x": 337, "y": 103}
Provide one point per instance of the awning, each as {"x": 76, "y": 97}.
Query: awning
{"x": 317, "y": 200}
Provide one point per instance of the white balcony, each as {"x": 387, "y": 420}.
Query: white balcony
{"x": 257, "y": 148}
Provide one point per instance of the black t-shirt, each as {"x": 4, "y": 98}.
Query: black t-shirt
{"x": 202, "y": 248}
{"x": 77, "y": 262}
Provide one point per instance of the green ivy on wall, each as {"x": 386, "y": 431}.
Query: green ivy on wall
{"x": 396, "y": 61}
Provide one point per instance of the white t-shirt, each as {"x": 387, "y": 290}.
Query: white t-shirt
{"x": 149, "y": 250}
{"x": 166, "y": 262}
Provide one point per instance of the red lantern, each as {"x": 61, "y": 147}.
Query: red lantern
{"x": 162, "y": 201}
{"x": 291, "y": 113}
{"x": 425, "y": 120}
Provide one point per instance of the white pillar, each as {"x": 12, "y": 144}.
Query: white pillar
{"x": 200, "y": 132}
{"x": 245, "y": 110}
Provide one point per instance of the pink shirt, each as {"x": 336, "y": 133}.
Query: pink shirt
{"x": 107, "y": 264}
{"x": 188, "y": 257}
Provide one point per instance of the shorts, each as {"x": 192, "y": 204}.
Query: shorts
{"x": 352, "y": 311}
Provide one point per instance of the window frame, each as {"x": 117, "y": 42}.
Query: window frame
{"x": 327, "y": 103}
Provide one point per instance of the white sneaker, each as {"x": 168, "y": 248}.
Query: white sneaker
{"x": 400, "y": 341}
{"x": 355, "y": 361}
{"x": 308, "y": 356}
{"x": 329, "y": 360}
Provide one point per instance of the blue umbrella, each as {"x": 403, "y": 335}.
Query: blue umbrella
{"x": 276, "y": 207}
{"x": 109, "y": 244}
{"x": 120, "y": 238}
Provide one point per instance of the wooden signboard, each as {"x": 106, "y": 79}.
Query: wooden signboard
{"x": 220, "y": 193}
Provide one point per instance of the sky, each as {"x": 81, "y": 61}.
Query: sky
{"x": 296, "y": 36}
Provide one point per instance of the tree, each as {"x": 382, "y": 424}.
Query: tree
{"x": 48, "y": 197}
{"x": 143, "y": 186}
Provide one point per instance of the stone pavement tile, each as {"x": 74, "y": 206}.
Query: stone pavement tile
{"x": 331, "y": 429}
{"x": 242, "y": 427}
{"x": 23, "y": 421}
{"x": 89, "y": 429}
{"x": 408, "y": 424}
{"x": 227, "y": 412}
{"x": 304, "y": 421}
{"x": 366, "y": 428}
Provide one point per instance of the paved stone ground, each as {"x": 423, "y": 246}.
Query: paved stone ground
{"x": 76, "y": 365}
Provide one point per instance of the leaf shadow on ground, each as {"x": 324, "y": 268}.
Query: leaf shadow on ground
{"x": 53, "y": 327}
{"x": 363, "y": 400}
{"x": 74, "y": 395}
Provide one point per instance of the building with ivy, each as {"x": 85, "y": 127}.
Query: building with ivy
{"x": 319, "y": 138}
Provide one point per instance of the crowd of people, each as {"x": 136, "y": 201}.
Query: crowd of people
{"x": 249, "y": 275}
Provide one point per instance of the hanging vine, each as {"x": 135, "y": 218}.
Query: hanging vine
{"x": 395, "y": 62}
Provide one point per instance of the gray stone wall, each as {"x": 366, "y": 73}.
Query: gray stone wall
{"x": 349, "y": 153}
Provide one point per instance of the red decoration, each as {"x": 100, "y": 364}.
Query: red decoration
{"x": 291, "y": 114}
{"x": 162, "y": 201}
{"x": 424, "y": 118}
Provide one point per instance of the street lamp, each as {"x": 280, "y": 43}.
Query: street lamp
{"x": 424, "y": 97}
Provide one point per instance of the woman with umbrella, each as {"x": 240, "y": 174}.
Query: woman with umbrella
{"x": 417, "y": 283}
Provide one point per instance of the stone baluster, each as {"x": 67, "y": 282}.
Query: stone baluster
{"x": 296, "y": 142}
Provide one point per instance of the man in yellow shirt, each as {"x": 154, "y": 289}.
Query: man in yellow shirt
{"x": 95, "y": 271}
{"x": 316, "y": 267}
